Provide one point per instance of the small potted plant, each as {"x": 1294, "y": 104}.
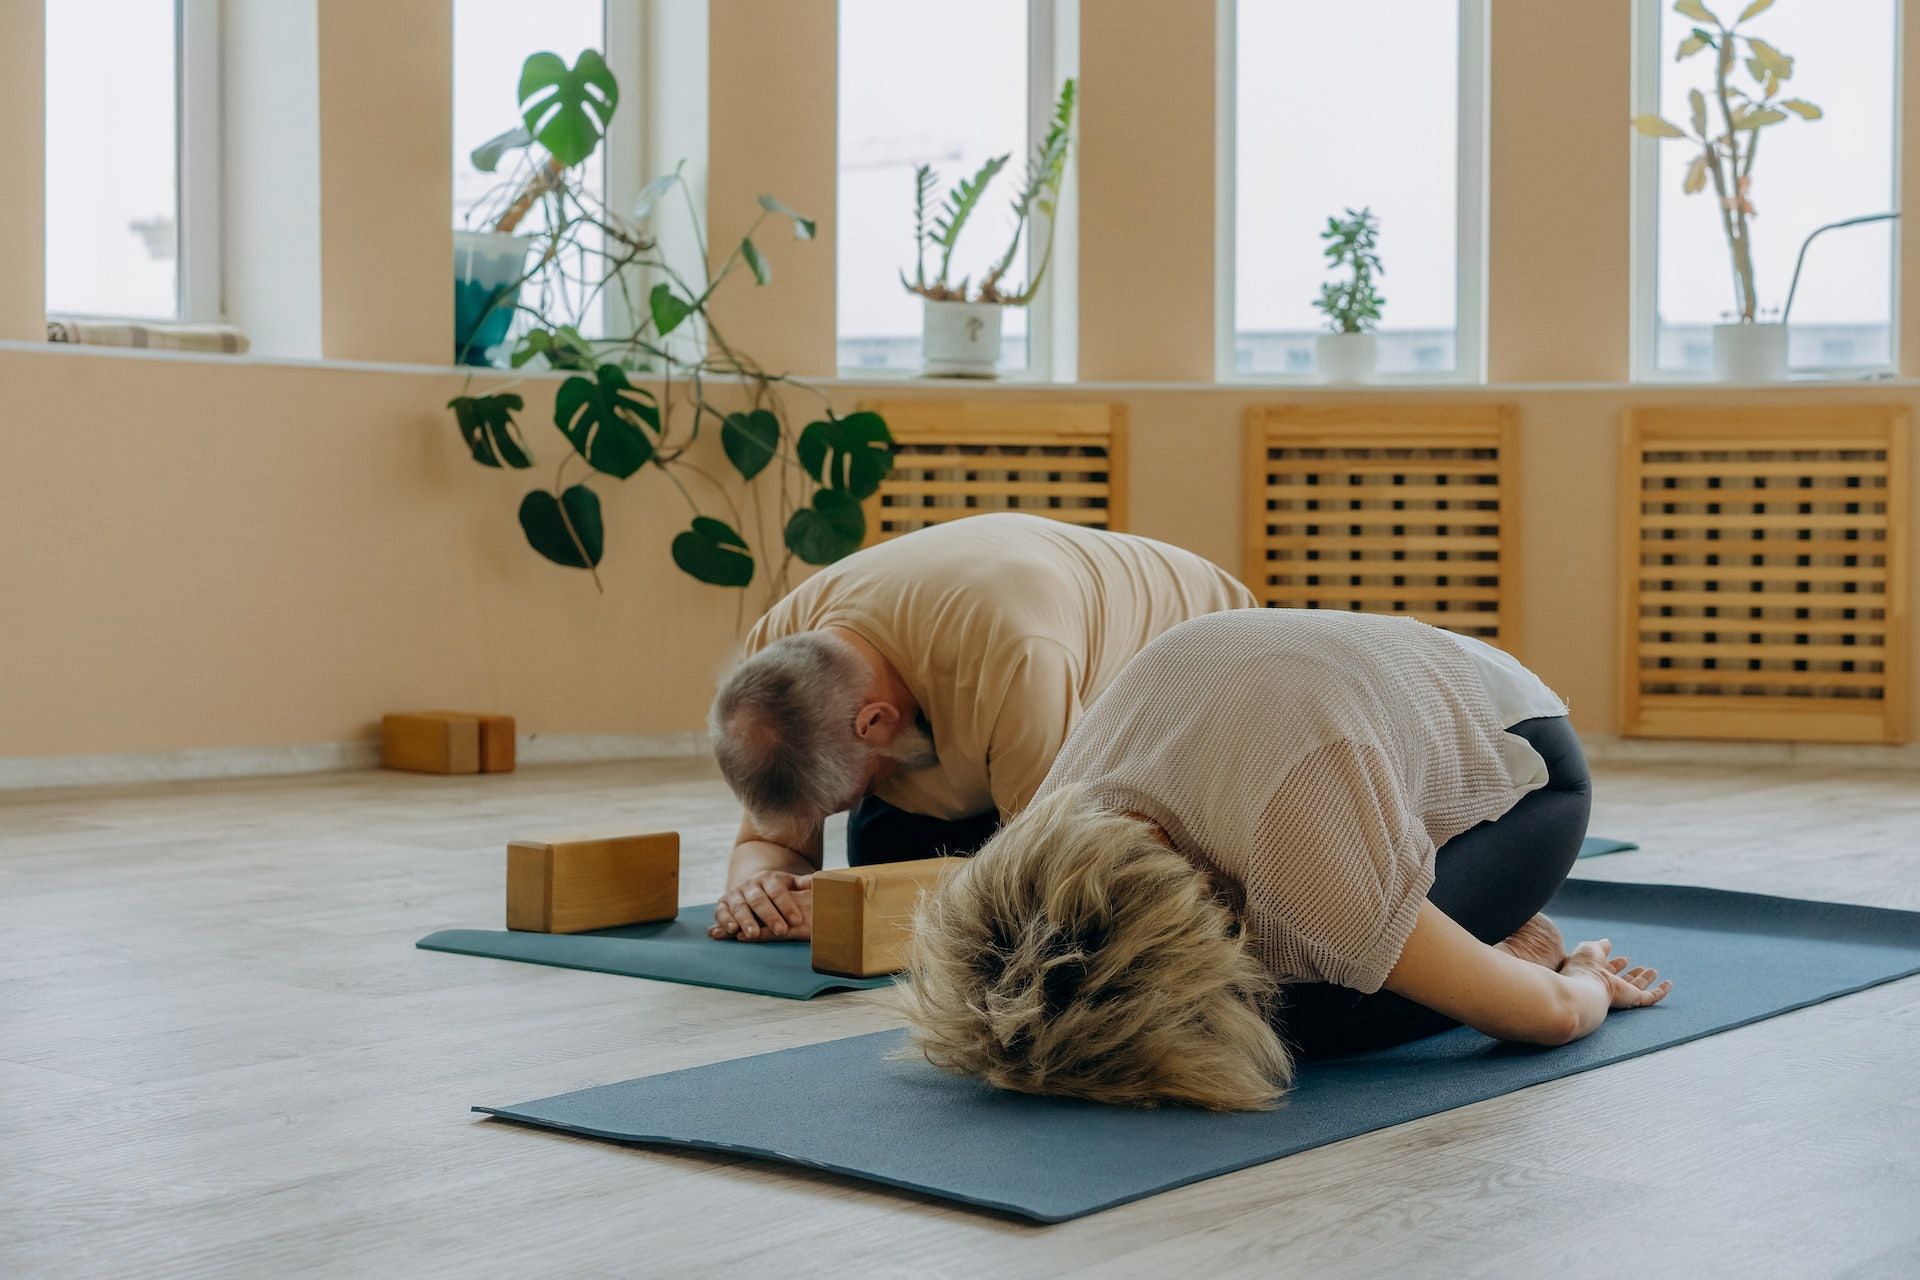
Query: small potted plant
{"x": 564, "y": 112}
{"x": 1351, "y": 350}
{"x": 960, "y": 328}
{"x": 1727, "y": 131}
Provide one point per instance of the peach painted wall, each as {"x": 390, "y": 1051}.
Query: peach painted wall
{"x": 1559, "y": 199}
{"x": 1146, "y": 189}
{"x": 385, "y": 187}
{"x": 209, "y": 553}
{"x": 23, "y": 286}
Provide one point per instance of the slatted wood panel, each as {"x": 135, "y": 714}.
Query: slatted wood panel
{"x": 1404, "y": 509}
{"x": 956, "y": 458}
{"x": 1763, "y": 573}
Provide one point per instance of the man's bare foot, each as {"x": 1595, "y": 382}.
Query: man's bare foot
{"x": 1538, "y": 941}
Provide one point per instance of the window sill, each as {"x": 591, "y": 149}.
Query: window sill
{"x": 853, "y": 379}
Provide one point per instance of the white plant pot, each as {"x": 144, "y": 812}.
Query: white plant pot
{"x": 1750, "y": 352}
{"x": 1346, "y": 357}
{"x": 960, "y": 339}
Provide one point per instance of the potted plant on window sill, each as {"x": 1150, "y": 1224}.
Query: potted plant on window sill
{"x": 961, "y": 323}
{"x": 1746, "y": 348}
{"x": 1351, "y": 350}
{"x": 818, "y": 467}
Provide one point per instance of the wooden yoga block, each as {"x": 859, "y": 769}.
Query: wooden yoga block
{"x": 572, "y": 886}
{"x": 861, "y": 914}
{"x": 447, "y": 742}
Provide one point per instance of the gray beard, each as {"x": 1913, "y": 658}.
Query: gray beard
{"x": 913, "y": 749}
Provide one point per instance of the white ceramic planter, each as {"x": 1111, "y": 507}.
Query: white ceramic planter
{"x": 960, "y": 339}
{"x": 1750, "y": 352}
{"x": 1346, "y": 357}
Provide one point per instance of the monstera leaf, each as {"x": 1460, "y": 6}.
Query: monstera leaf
{"x": 607, "y": 419}
{"x": 750, "y": 440}
{"x": 713, "y": 553}
{"x": 803, "y": 227}
{"x": 831, "y": 529}
{"x": 562, "y": 345}
{"x": 852, "y": 454}
{"x": 668, "y": 308}
{"x": 567, "y": 108}
{"x": 486, "y": 423}
{"x": 487, "y": 156}
{"x": 567, "y": 529}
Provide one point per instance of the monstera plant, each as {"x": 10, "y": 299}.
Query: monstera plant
{"x": 589, "y": 258}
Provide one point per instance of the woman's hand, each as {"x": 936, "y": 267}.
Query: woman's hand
{"x": 765, "y": 906}
{"x": 1492, "y": 990}
{"x": 1628, "y": 986}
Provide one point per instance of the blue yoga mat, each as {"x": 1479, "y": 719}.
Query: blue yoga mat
{"x": 681, "y": 951}
{"x": 1735, "y": 958}
{"x": 676, "y": 950}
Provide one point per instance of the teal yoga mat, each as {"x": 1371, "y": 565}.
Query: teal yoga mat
{"x": 677, "y": 950}
{"x": 1735, "y": 958}
{"x": 680, "y": 951}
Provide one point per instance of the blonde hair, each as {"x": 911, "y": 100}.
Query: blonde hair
{"x": 1075, "y": 954}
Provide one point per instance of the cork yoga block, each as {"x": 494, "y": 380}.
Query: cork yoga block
{"x": 447, "y": 742}
{"x": 861, "y": 914}
{"x": 572, "y": 886}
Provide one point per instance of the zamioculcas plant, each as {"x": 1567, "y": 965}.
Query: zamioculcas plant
{"x": 820, "y": 472}
{"x": 938, "y": 231}
{"x": 1727, "y": 129}
{"x": 1352, "y": 305}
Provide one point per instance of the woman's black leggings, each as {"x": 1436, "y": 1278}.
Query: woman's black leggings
{"x": 1491, "y": 879}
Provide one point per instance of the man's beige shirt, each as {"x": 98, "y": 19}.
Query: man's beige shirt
{"x": 1003, "y": 627}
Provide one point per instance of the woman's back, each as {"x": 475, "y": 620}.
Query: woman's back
{"x": 1317, "y": 759}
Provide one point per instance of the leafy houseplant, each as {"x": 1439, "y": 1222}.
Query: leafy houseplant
{"x": 1727, "y": 131}
{"x": 961, "y": 336}
{"x": 613, "y": 428}
{"x": 1350, "y": 350}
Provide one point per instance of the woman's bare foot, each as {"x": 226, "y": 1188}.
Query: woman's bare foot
{"x": 1538, "y": 941}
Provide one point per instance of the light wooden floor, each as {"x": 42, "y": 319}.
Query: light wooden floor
{"x": 221, "y": 1055}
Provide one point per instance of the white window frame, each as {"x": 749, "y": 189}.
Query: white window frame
{"x": 1470, "y": 229}
{"x": 1648, "y": 64}
{"x": 197, "y": 101}
{"x": 1053, "y": 54}
{"x": 624, "y": 26}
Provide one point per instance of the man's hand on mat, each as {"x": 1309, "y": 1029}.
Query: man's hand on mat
{"x": 767, "y": 905}
{"x": 1628, "y": 986}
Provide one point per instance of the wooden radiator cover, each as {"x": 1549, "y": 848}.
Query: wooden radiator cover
{"x": 1763, "y": 573}
{"x": 956, "y": 458}
{"x": 1404, "y": 508}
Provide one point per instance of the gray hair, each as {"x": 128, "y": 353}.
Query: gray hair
{"x": 782, "y": 729}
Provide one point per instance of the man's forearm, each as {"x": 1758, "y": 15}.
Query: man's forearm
{"x": 751, "y": 857}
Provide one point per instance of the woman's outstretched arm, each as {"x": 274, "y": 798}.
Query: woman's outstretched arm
{"x": 1449, "y": 970}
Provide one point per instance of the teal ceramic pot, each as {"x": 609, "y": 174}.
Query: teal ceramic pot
{"x": 487, "y": 266}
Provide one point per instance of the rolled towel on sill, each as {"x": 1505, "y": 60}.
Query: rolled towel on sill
{"x": 221, "y": 339}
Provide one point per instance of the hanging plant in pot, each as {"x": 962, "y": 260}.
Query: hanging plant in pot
{"x": 1352, "y": 306}
{"x": 960, "y": 326}
{"x": 1727, "y": 129}
{"x": 819, "y": 467}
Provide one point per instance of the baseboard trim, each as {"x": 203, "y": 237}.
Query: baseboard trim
{"x": 1608, "y": 749}
{"x": 29, "y": 772}
{"x": 24, "y": 773}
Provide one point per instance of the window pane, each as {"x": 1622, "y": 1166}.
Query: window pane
{"x": 1805, "y": 174}
{"x": 918, "y": 86}
{"x": 1329, "y": 117}
{"x": 491, "y": 39}
{"x": 113, "y": 203}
